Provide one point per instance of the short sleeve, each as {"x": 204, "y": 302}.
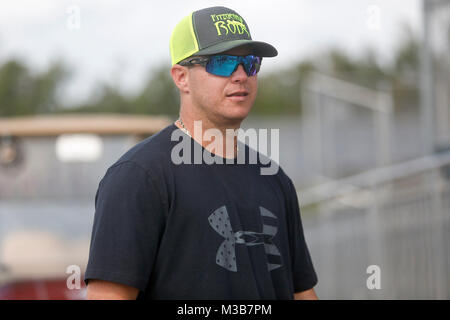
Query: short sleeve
{"x": 128, "y": 223}
{"x": 304, "y": 275}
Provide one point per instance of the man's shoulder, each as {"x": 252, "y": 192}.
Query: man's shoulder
{"x": 267, "y": 165}
{"x": 272, "y": 170}
{"x": 152, "y": 151}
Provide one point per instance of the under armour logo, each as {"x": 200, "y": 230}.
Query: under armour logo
{"x": 226, "y": 254}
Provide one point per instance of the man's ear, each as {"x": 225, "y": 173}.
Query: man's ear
{"x": 180, "y": 76}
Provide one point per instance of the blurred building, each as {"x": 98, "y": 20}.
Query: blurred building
{"x": 50, "y": 168}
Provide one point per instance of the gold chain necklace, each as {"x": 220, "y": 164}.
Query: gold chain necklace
{"x": 184, "y": 128}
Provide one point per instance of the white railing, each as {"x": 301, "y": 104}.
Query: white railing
{"x": 396, "y": 218}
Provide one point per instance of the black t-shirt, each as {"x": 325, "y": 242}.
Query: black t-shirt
{"x": 197, "y": 231}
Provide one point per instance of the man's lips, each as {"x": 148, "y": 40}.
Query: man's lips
{"x": 238, "y": 94}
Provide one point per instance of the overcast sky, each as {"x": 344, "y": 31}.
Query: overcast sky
{"x": 119, "y": 41}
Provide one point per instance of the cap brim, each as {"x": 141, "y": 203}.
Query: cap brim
{"x": 258, "y": 48}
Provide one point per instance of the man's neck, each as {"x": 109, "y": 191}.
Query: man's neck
{"x": 205, "y": 132}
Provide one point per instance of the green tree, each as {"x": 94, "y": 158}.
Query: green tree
{"x": 159, "y": 94}
{"x": 279, "y": 92}
{"x": 24, "y": 93}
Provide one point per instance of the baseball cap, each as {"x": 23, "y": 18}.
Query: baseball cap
{"x": 211, "y": 31}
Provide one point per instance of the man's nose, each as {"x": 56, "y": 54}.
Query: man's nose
{"x": 239, "y": 74}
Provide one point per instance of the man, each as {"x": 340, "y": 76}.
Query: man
{"x": 165, "y": 230}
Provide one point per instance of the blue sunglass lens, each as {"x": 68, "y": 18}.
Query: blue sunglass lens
{"x": 222, "y": 65}
{"x": 252, "y": 65}
{"x": 225, "y": 65}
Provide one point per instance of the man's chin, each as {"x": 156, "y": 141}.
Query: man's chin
{"x": 235, "y": 118}
{"x": 237, "y": 111}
